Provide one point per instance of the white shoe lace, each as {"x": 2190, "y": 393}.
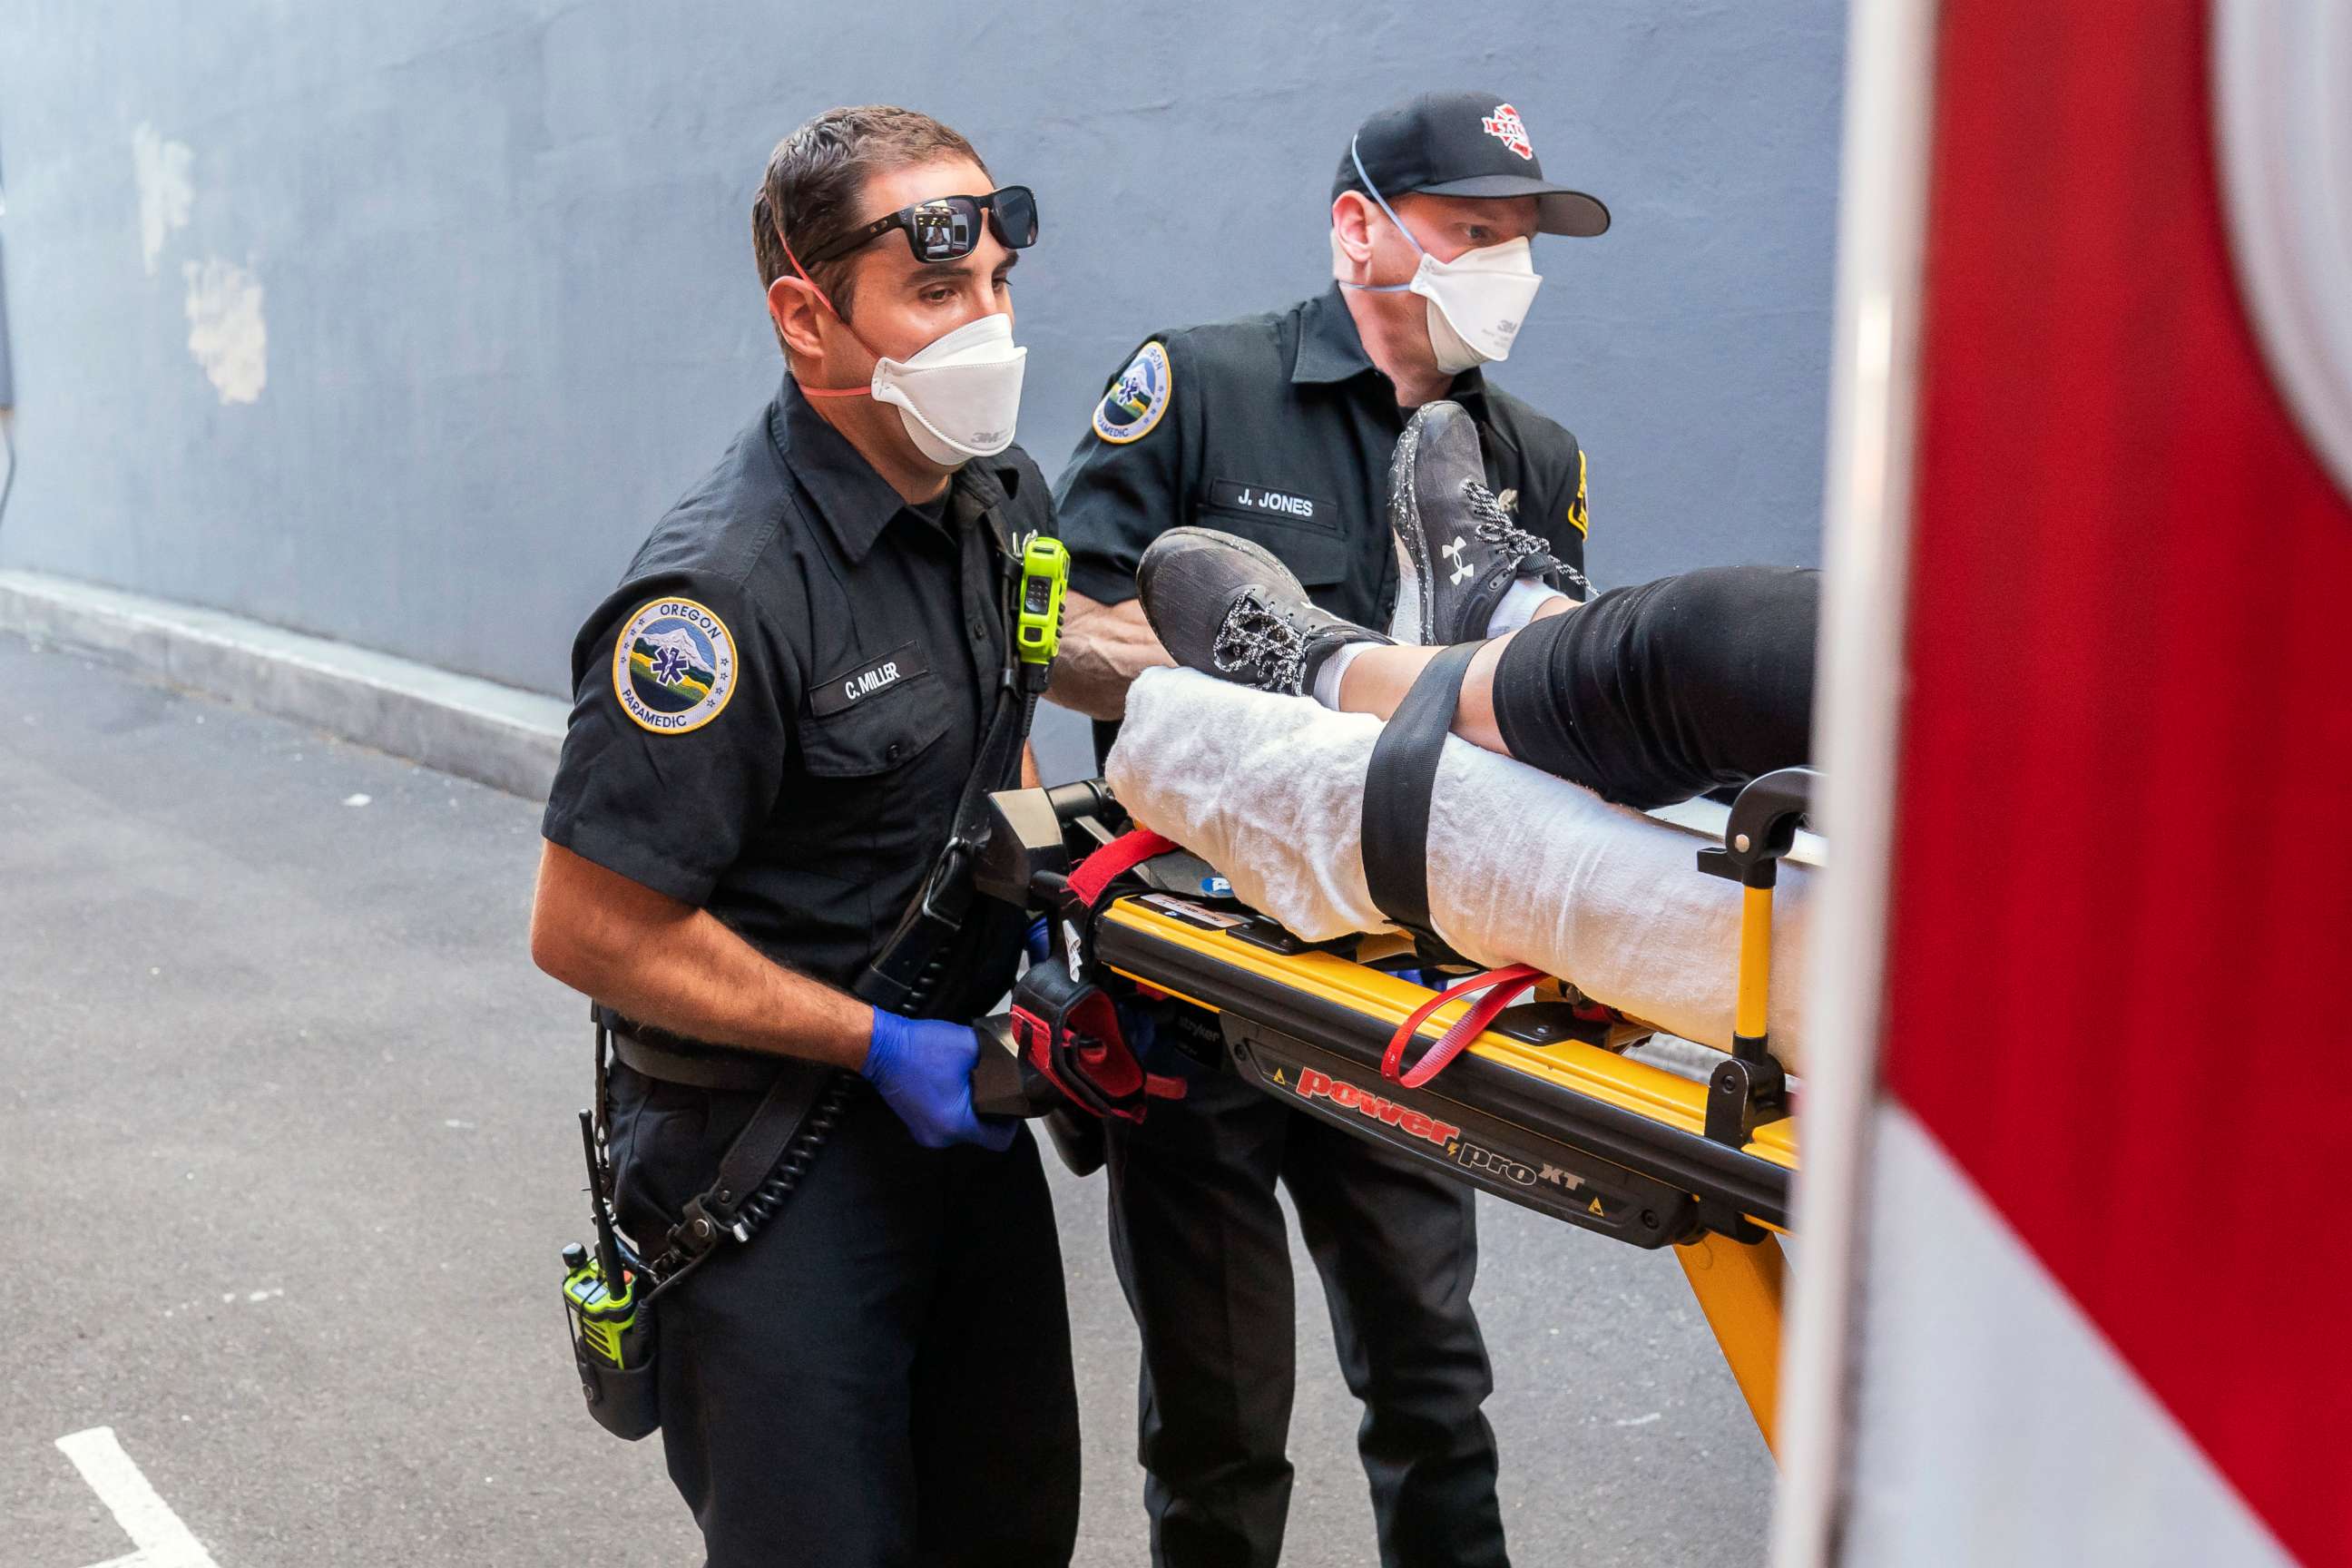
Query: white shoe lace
{"x": 1494, "y": 525}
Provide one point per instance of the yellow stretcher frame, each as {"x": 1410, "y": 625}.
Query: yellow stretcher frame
{"x": 1598, "y": 1071}
{"x": 1730, "y": 1143}
{"x": 1737, "y": 1280}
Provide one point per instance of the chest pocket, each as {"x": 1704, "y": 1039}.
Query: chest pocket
{"x": 873, "y": 717}
{"x": 1303, "y": 530}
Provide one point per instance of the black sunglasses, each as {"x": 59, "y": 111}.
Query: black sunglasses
{"x": 945, "y": 228}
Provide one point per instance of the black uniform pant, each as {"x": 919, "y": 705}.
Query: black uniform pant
{"x": 1654, "y": 694}
{"x": 1201, "y": 1247}
{"x": 882, "y": 1375}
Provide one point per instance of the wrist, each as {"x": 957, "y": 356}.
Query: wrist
{"x": 882, "y": 1032}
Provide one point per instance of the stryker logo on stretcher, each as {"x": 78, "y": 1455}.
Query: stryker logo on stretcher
{"x": 1314, "y": 1084}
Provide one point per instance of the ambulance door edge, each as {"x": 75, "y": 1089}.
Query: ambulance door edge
{"x": 1882, "y": 221}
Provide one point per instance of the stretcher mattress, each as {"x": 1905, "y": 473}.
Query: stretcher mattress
{"x": 1523, "y": 868}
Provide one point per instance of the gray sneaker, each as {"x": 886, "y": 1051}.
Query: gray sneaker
{"x": 1458, "y": 552}
{"x": 1228, "y": 608}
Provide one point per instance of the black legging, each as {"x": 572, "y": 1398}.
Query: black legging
{"x": 1654, "y": 694}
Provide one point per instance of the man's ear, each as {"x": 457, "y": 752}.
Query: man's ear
{"x": 1351, "y": 227}
{"x": 792, "y": 305}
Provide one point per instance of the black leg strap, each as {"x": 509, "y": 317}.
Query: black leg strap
{"x": 1398, "y": 788}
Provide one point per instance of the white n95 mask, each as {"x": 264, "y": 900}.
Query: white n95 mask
{"x": 959, "y": 395}
{"x": 1476, "y": 302}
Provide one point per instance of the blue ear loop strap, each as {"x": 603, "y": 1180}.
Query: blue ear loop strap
{"x": 1374, "y": 192}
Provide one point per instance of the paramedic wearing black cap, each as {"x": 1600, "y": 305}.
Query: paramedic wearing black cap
{"x": 1280, "y": 428}
{"x": 777, "y": 710}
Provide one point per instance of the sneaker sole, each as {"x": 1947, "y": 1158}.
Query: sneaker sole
{"x": 1410, "y": 622}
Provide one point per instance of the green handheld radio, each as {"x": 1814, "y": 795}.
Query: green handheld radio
{"x": 1037, "y": 627}
{"x": 612, "y": 1329}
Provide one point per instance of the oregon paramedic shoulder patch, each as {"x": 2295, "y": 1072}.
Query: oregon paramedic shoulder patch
{"x": 673, "y": 666}
{"x": 1136, "y": 400}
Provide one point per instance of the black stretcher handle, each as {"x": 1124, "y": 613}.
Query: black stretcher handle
{"x": 1763, "y": 827}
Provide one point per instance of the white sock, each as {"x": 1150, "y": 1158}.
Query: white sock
{"x": 1326, "y": 680}
{"x": 1520, "y": 602}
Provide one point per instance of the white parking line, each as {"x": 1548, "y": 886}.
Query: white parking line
{"x": 162, "y": 1541}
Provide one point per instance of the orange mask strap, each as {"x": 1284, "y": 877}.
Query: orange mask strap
{"x": 806, "y": 390}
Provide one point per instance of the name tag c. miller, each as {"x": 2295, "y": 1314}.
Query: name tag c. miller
{"x": 864, "y": 682}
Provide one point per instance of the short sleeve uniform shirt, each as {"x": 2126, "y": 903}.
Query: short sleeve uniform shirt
{"x": 1279, "y": 428}
{"x": 775, "y": 712}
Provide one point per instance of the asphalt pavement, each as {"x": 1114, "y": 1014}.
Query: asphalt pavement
{"x": 285, "y": 1122}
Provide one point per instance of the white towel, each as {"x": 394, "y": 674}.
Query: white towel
{"x": 1523, "y": 868}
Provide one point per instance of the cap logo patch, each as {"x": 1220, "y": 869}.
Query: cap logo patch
{"x": 1506, "y": 126}
{"x": 673, "y": 666}
{"x": 1137, "y": 400}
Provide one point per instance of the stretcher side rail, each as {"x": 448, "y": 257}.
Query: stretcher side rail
{"x": 1268, "y": 1021}
{"x": 1659, "y": 1179}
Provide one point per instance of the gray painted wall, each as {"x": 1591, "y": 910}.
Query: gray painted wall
{"x": 503, "y": 271}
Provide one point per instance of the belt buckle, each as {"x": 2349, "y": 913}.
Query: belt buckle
{"x": 958, "y": 854}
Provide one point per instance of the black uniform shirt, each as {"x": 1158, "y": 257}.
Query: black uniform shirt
{"x": 1279, "y": 428}
{"x": 777, "y": 710}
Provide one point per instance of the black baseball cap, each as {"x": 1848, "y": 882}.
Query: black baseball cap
{"x": 1463, "y": 145}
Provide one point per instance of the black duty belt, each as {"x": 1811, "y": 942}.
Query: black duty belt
{"x": 702, "y": 1068}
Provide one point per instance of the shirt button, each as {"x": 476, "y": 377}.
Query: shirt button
{"x": 897, "y": 749}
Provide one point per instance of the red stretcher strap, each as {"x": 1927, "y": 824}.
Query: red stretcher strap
{"x": 1124, "y": 853}
{"x": 1507, "y": 984}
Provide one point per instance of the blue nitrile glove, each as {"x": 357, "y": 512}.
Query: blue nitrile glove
{"x": 1152, "y": 1031}
{"x": 1040, "y": 940}
{"x": 923, "y": 1068}
{"x": 1139, "y": 1025}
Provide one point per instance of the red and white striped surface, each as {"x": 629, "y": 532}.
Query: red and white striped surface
{"x": 2093, "y": 1306}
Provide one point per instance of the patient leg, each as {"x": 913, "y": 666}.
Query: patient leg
{"x": 1646, "y": 695}
{"x": 1376, "y": 678}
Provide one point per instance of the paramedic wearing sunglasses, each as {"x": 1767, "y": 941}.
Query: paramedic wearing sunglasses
{"x": 1279, "y": 428}
{"x": 775, "y": 714}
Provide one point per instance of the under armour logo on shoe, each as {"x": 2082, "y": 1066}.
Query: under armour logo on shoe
{"x": 1462, "y": 570}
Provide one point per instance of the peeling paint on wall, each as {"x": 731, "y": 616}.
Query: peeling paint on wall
{"x": 521, "y": 247}
{"x": 166, "y": 194}
{"x": 225, "y": 332}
